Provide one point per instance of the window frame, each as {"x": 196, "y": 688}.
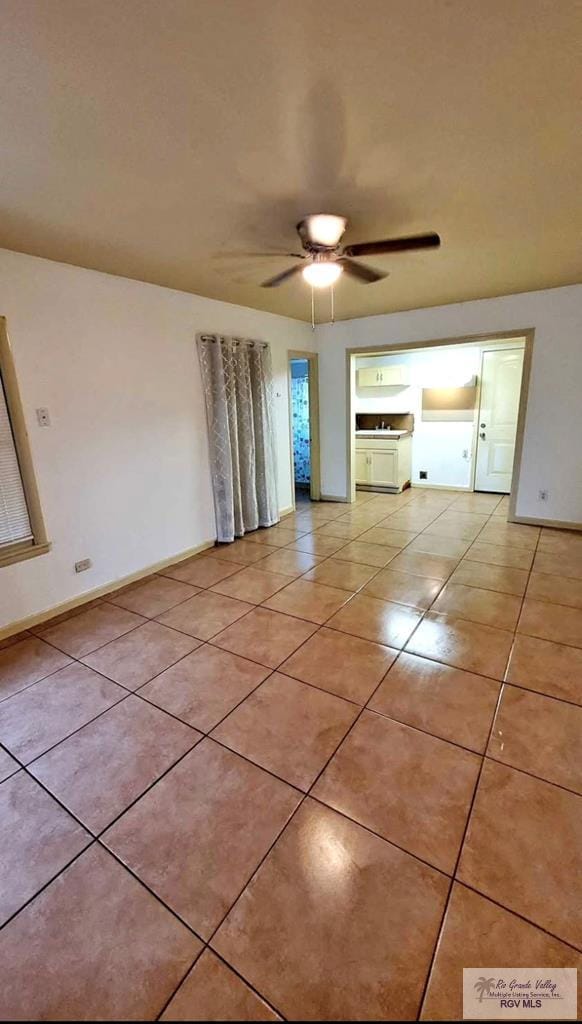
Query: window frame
{"x": 40, "y": 544}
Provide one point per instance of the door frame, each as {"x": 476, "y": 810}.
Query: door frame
{"x": 527, "y": 334}
{"x": 315, "y": 481}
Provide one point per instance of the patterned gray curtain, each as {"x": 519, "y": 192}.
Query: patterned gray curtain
{"x": 238, "y": 387}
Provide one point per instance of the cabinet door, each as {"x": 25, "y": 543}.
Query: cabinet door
{"x": 362, "y": 466}
{"x": 383, "y": 468}
{"x": 369, "y": 378}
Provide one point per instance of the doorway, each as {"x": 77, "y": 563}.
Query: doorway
{"x": 440, "y": 384}
{"x": 304, "y": 426}
{"x": 501, "y": 373}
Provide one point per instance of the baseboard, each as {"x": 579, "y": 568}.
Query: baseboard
{"x": 335, "y": 497}
{"x": 556, "y": 524}
{"x": 422, "y": 485}
{"x": 286, "y": 511}
{"x": 107, "y": 588}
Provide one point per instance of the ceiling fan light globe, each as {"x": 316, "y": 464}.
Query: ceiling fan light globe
{"x": 325, "y": 228}
{"x": 323, "y": 274}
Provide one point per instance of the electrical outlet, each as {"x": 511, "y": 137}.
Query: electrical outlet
{"x": 423, "y": 475}
{"x": 43, "y": 418}
{"x": 543, "y": 495}
{"x": 84, "y": 564}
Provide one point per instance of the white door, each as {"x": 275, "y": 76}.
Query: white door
{"x": 384, "y": 468}
{"x": 500, "y": 388}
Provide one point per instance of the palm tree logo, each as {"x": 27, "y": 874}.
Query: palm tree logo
{"x": 484, "y": 986}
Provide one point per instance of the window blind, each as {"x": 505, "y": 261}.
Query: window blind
{"x": 14, "y": 518}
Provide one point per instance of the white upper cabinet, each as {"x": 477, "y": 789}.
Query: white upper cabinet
{"x": 383, "y": 376}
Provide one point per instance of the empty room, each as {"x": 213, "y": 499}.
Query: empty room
{"x": 290, "y": 510}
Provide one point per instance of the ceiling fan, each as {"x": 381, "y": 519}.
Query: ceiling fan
{"x": 324, "y": 260}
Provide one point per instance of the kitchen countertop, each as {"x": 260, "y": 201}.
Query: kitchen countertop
{"x": 396, "y": 434}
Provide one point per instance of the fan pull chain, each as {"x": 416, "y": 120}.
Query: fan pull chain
{"x": 332, "y": 304}
{"x": 312, "y": 309}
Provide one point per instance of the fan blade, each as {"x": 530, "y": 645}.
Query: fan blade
{"x": 274, "y": 282}
{"x": 428, "y": 241}
{"x": 359, "y": 270}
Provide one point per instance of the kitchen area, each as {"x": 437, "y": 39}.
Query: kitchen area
{"x": 443, "y": 417}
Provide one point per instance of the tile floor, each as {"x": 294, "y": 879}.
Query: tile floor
{"x": 310, "y": 775}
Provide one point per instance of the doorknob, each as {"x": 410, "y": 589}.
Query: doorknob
{"x": 482, "y": 435}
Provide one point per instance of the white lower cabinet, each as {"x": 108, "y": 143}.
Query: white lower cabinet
{"x": 387, "y": 464}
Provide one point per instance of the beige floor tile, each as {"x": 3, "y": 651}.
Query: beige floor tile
{"x": 221, "y": 813}
{"x": 315, "y": 602}
{"x": 561, "y": 542}
{"x": 341, "y": 664}
{"x": 550, "y": 668}
{"x": 201, "y": 571}
{"x": 555, "y": 589}
{"x": 485, "y": 606}
{"x": 93, "y": 922}
{"x": 459, "y": 525}
{"x": 523, "y": 849}
{"x": 410, "y": 520}
{"x": 153, "y": 597}
{"x": 205, "y": 615}
{"x": 40, "y": 716}
{"x": 318, "y": 544}
{"x": 475, "y": 933}
{"x": 290, "y": 563}
{"x": 337, "y": 924}
{"x": 212, "y": 991}
{"x": 133, "y": 659}
{"x": 462, "y": 644}
{"x": 242, "y": 551}
{"x": 38, "y": 839}
{"x": 491, "y": 577}
{"x": 559, "y": 564}
{"x": 404, "y": 588}
{"x": 433, "y": 544}
{"x": 86, "y": 632}
{"x": 510, "y": 533}
{"x": 26, "y": 662}
{"x": 436, "y": 567}
{"x": 341, "y": 530}
{"x": 413, "y": 789}
{"x": 100, "y": 770}
{"x": 540, "y": 735}
{"x": 484, "y": 504}
{"x": 8, "y": 766}
{"x": 265, "y": 636}
{"x": 251, "y": 585}
{"x": 445, "y": 701}
{"x": 368, "y": 554}
{"x": 388, "y": 538}
{"x": 500, "y": 554}
{"x": 350, "y": 576}
{"x": 274, "y": 536}
{"x": 551, "y": 622}
{"x": 288, "y": 728}
{"x": 205, "y": 686}
{"x": 380, "y": 621}
{"x": 55, "y": 620}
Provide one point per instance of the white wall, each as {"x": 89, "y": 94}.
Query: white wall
{"x": 552, "y": 448}
{"x": 438, "y": 447}
{"x": 123, "y": 469}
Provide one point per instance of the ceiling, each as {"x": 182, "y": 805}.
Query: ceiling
{"x": 158, "y": 139}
